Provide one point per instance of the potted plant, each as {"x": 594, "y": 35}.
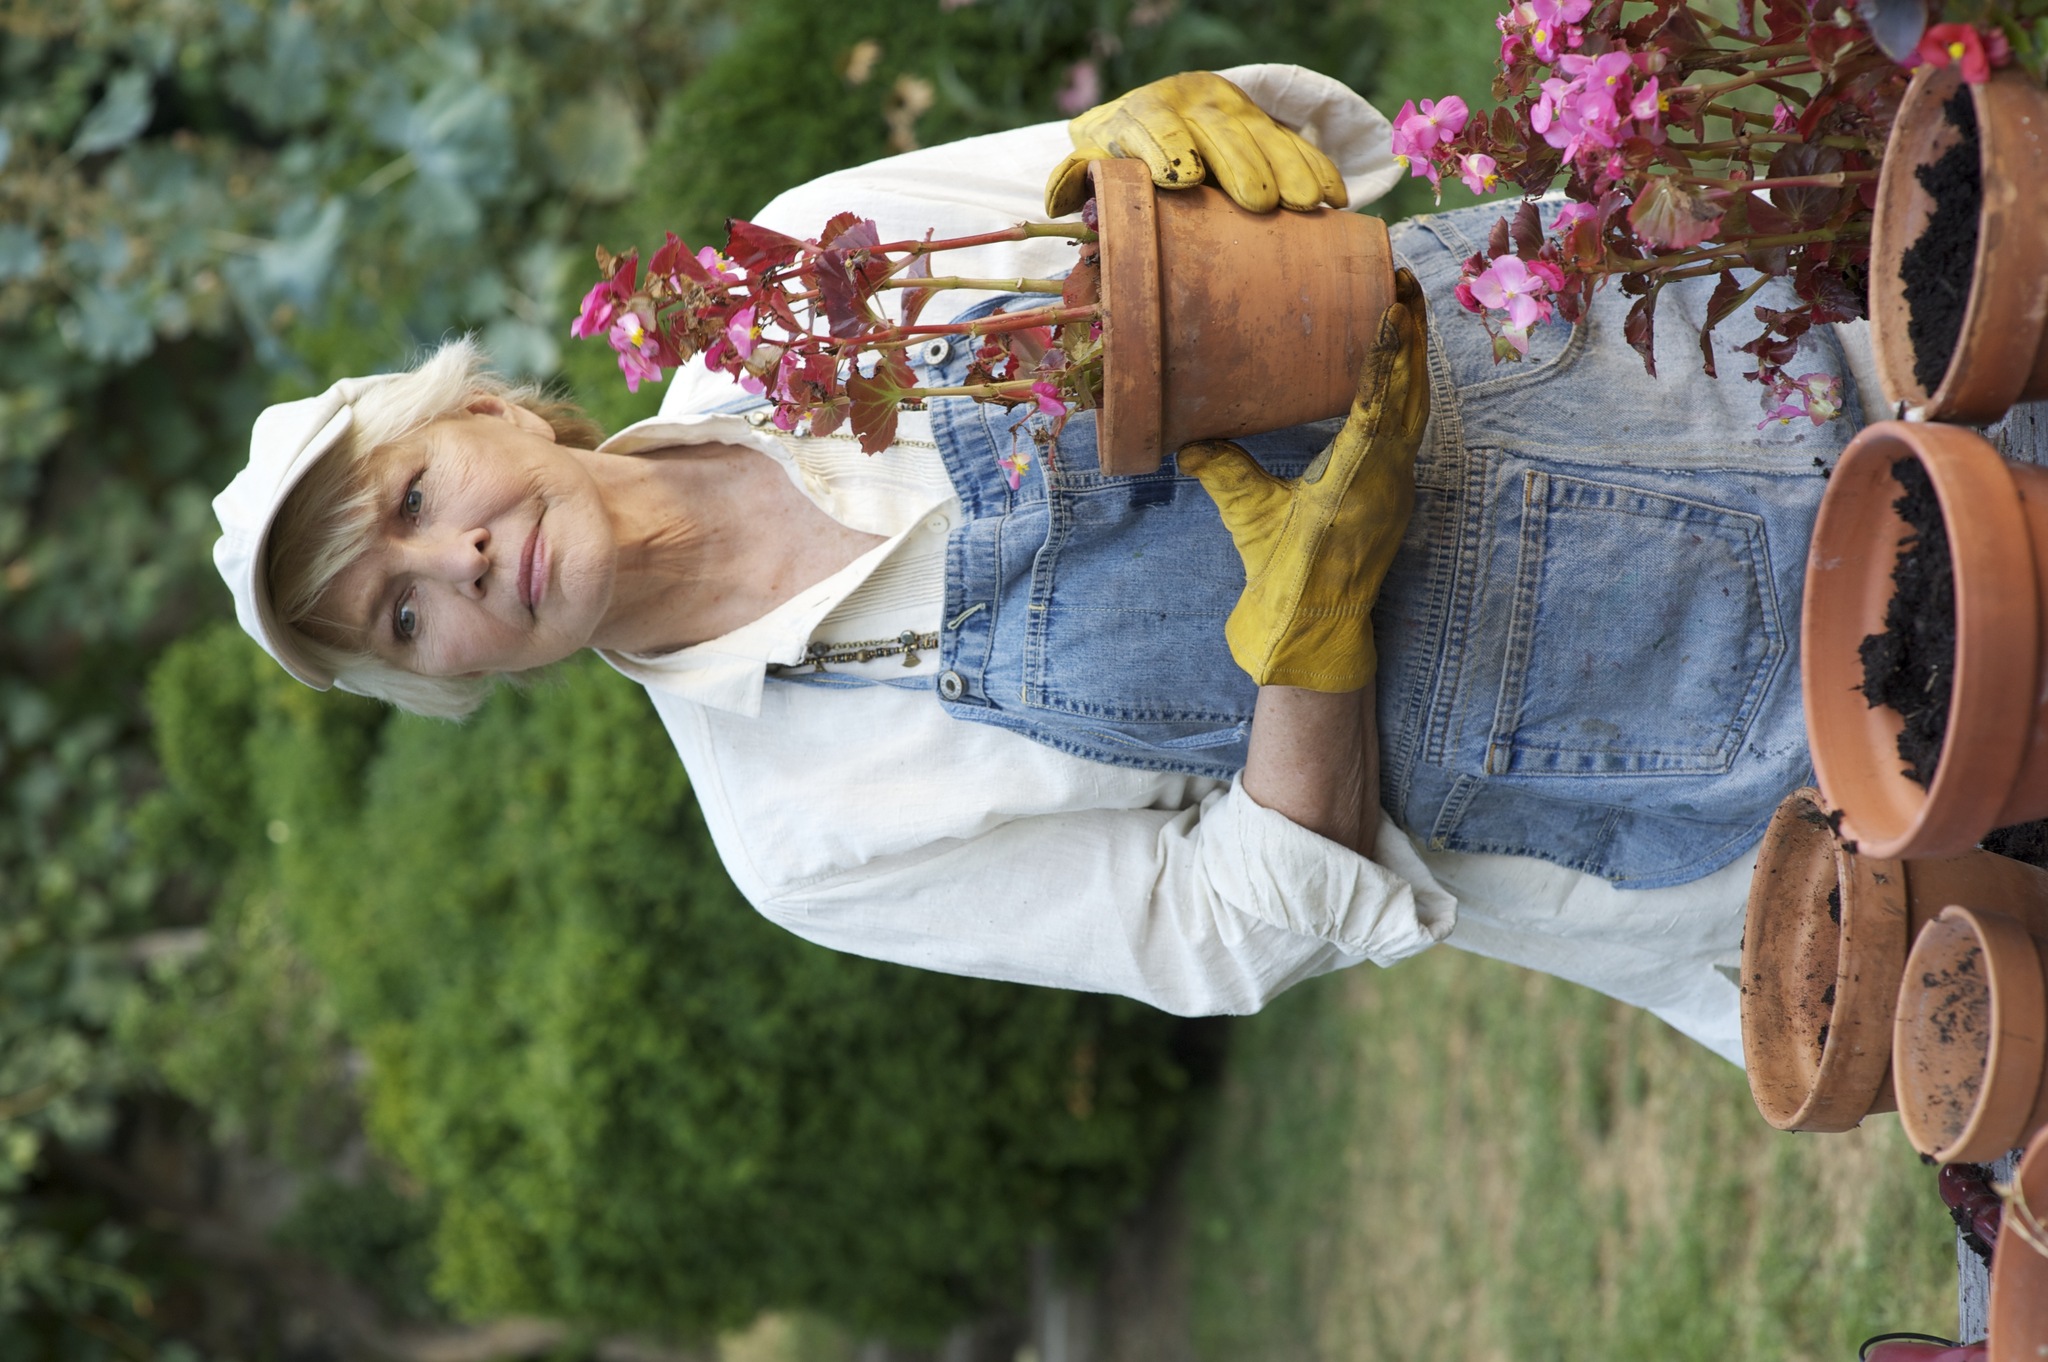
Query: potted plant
{"x": 1691, "y": 143}
{"x": 1931, "y": 597}
{"x": 1166, "y": 324}
{"x": 1824, "y": 944}
{"x": 1959, "y": 286}
{"x": 1970, "y": 1037}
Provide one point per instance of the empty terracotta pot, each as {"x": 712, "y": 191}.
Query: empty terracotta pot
{"x": 1199, "y": 297}
{"x": 1970, "y": 1037}
{"x": 2019, "y": 1270}
{"x": 2001, "y": 357}
{"x": 1994, "y": 766}
{"x": 1824, "y": 946}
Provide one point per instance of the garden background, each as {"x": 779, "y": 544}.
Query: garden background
{"x": 330, "y": 1033}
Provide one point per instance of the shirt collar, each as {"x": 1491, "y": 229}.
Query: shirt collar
{"x": 730, "y": 672}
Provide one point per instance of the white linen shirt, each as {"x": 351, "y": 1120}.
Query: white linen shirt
{"x": 869, "y": 821}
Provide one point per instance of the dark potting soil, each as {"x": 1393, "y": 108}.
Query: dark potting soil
{"x": 1911, "y": 665}
{"x": 2022, "y": 842}
{"x": 1936, "y": 269}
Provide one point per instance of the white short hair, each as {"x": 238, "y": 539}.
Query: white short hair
{"x": 328, "y": 521}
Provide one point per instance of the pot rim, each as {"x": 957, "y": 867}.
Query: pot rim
{"x": 1987, "y": 372}
{"x": 2019, "y": 1270}
{"x": 1131, "y": 424}
{"x": 2013, "y": 1053}
{"x": 1848, "y": 586}
{"x": 1836, "y": 1091}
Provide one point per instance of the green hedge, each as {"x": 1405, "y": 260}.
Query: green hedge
{"x": 632, "y": 1099}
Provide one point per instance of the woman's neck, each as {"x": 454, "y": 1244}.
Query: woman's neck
{"x": 709, "y": 537}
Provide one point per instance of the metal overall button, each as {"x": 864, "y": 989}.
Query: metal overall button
{"x": 935, "y": 351}
{"x": 952, "y": 685}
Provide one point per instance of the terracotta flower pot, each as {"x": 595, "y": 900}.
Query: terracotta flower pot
{"x": 1970, "y": 1038}
{"x": 2019, "y": 1270}
{"x": 1218, "y": 322}
{"x": 1994, "y": 764}
{"x": 1824, "y": 945}
{"x": 2001, "y": 356}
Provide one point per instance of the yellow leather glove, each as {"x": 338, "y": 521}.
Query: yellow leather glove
{"x": 1316, "y": 548}
{"x": 1194, "y": 126}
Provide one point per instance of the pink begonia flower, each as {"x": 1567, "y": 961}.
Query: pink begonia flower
{"x": 1549, "y": 108}
{"x": 1515, "y": 338}
{"x": 787, "y": 416}
{"x": 1958, "y": 43}
{"x": 720, "y": 269}
{"x": 600, "y": 307}
{"x": 1573, "y": 214}
{"x": 740, "y": 332}
{"x": 1548, "y": 273}
{"x": 1508, "y": 286}
{"x": 1048, "y": 396}
{"x": 1418, "y": 130}
{"x": 637, "y": 346}
{"x": 1817, "y": 397}
{"x": 1014, "y": 464}
{"x": 1555, "y": 27}
{"x": 1648, "y": 105}
{"x": 1782, "y": 117}
{"x": 1463, "y": 293}
{"x": 1478, "y": 171}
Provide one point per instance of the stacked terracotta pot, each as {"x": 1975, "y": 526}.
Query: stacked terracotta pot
{"x": 1888, "y": 962}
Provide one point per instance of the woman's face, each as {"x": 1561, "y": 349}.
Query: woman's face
{"x": 492, "y": 550}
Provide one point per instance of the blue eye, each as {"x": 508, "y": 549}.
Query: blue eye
{"x": 405, "y": 620}
{"x": 413, "y": 499}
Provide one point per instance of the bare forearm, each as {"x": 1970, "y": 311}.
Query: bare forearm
{"x": 1315, "y": 760}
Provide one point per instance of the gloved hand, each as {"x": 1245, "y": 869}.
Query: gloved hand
{"x": 1316, "y": 548}
{"x": 1193, "y": 126}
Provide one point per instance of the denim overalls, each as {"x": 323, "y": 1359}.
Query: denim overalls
{"x": 1588, "y": 642}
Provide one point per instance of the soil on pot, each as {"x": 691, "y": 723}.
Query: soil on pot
{"x": 1910, "y": 667}
{"x": 2026, "y": 842}
{"x": 1937, "y": 268}
{"x": 1960, "y": 1017}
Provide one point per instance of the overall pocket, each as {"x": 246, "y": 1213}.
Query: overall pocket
{"x": 1642, "y": 636}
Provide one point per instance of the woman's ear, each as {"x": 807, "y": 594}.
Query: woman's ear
{"x": 497, "y": 407}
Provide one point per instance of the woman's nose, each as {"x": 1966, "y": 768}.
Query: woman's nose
{"x": 458, "y": 557}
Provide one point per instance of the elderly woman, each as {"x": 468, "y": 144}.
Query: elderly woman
{"x": 1123, "y": 734}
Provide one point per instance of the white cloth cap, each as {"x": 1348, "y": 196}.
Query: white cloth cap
{"x": 288, "y": 440}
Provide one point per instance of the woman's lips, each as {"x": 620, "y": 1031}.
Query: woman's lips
{"x": 533, "y": 569}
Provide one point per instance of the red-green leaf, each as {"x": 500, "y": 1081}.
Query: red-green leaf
{"x": 875, "y": 397}
{"x": 754, "y": 247}
{"x": 1640, "y": 329}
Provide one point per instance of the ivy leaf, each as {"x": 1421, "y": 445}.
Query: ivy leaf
{"x": 1499, "y": 242}
{"x": 120, "y": 116}
{"x": 1640, "y": 329}
{"x": 875, "y": 398}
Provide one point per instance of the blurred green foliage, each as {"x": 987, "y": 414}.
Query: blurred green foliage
{"x": 205, "y": 207}
{"x": 635, "y": 1101}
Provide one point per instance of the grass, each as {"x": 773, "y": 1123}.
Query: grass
{"x": 1459, "y": 1159}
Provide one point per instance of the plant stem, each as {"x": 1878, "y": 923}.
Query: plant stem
{"x": 1765, "y": 78}
{"x": 1018, "y": 388}
{"x": 1738, "y": 247}
{"x": 1023, "y": 231}
{"x": 1736, "y": 143}
{"x": 1052, "y": 286}
{"x": 1002, "y": 322}
{"x": 1747, "y": 56}
{"x": 1833, "y": 180}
